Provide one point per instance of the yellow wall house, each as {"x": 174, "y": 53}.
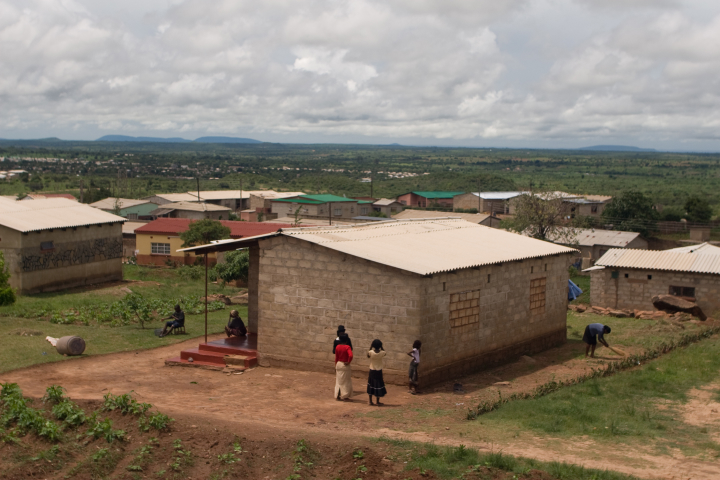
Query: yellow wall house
{"x": 55, "y": 243}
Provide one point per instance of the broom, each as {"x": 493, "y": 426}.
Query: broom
{"x": 618, "y": 351}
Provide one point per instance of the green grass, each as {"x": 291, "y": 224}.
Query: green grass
{"x": 23, "y": 350}
{"x": 452, "y": 462}
{"x": 638, "y": 405}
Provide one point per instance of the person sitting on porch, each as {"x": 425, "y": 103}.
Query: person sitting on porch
{"x": 177, "y": 320}
{"x": 235, "y": 326}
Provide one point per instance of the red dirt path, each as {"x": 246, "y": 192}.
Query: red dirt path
{"x": 265, "y": 399}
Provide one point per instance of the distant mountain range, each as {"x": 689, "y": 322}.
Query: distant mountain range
{"x": 125, "y": 138}
{"x": 617, "y": 148}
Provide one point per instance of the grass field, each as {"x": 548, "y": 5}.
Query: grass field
{"x": 24, "y": 334}
{"x": 643, "y": 406}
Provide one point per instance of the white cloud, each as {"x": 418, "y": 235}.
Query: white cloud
{"x": 465, "y": 70}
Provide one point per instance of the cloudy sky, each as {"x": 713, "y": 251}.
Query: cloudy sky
{"x": 540, "y": 73}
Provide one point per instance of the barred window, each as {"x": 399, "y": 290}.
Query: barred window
{"x": 338, "y": 212}
{"x": 160, "y": 248}
{"x": 682, "y": 291}
{"x": 464, "y": 308}
{"x": 363, "y": 210}
{"x": 537, "y": 296}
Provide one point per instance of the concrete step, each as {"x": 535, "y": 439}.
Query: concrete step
{"x": 248, "y": 361}
{"x": 229, "y": 350}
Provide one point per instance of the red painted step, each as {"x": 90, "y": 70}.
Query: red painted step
{"x": 212, "y": 354}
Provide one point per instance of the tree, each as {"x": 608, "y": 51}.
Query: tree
{"x": 235, "y": 266}
{"x": 542, "y": 215}
{"x": 632, "y": 211}
{"x": 202, "y": 232}
{"x": 698, "y": 209}
{"x": 7, "y": 294}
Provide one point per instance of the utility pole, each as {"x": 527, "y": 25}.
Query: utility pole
{"x": 330, "y": 212}
{"x": 81, "y": 190}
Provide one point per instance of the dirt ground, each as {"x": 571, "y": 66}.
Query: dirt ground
{"x": 293, "y": 403}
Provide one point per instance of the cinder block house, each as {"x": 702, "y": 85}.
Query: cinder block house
{"x": 158, "y": 242}
{"x": 192, "y": 211}
{"x": 56, "y": 243}
{"x": 474, "y": 295}
{"x": 495, "y": 203}
{"x": 428, "y": 199}
{"x": 593, "y": 243}
{"x": 628, "y": 279}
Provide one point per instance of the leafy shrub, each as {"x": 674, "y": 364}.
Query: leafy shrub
{"x": 105, "y": 429}
{"x": 191, "y": 272}
{"x": 235, "y": 266}
{"x": 125, "y": 404}
{"x": 156, "y": 420}
{"x": 54, "y": 394}
{"x": 70, "y": 413}
{"x": 7, "y": 296}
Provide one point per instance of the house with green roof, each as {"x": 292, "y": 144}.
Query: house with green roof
{"x": 428, "y": 199}
{"x": 322, "y": 207}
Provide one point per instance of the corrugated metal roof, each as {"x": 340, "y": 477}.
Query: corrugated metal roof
{"x": 130, "y": 227}
{"x": 437, "y": 194}
{"x": 233, "y": 194}
{"x": 383, "y": 202}
{"x": 610, "y": 238}
{"x": 175, "y": 226}
{"x": 176, "y": 197}
{"x": 423, "y": 246}
{"x": 50, "y": 213}
{"x": 661, "y": 260}
{"x": 191, "y": 206}
{"x": 497, "y": 195}
{"x": 701, "y": 248}
{"x": 415, "y": 214}
{"x": 109, "y": 203}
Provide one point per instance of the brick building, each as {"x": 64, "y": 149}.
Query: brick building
{"x": 474, "y": 295}
{"x": 479, "y": 218}
{"x": 628, "y": 279}
{"x": 158, "y": 242}
{"x": 321, "y": 207}
{"x": 428, "y": 199}
{"x": 191, "y": 210}
{"x": 56, "y": 243}
{"x": 495, "y": 203}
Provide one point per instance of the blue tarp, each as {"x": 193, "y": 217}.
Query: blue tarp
{"x": 573, "y": 291}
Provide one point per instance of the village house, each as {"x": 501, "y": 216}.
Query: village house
{"x": 55, "y": 243}
{"x": 191, "y": 210}
{"x": 428, "y": 199}
{"x": 475, "y": 296}
{"x": 594, "y": 243}
{"x": 495, "y": 203}
{"x": 128, "y": 236}
{"x": 588, "y": 205}
{"x": 163, "y": 198}
{"x": 126, "y": 207}
{"x": 388, "y": 206}
{"x": 477, "y": 218}
{"x": 323, "y": 207}
{"x": 158, "y": 242}
{"x": 628, "y": 279}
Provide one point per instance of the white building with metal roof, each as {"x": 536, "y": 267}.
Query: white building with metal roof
{"x": 55, "y": 243}
{"x": 474, "y": 295}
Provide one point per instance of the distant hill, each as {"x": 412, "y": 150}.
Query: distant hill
{"x": 125, "y": 138}
{"x": 225, "y": 140}
{"x": 617, "y": 148}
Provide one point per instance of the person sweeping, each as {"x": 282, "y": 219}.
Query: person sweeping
{"x": 594, "y": 333}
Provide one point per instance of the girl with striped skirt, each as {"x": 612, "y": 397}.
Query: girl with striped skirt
{"x": 376, "y": 384}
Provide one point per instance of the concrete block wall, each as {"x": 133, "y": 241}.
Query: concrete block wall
{"x": 636, "y": 290}
{"x": 65, "y": 272}
{"x": 305, "y": 291}
{"x": 506, "y": 327}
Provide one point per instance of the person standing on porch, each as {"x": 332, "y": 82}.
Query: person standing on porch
{"x": 343, "y": 370}
{"x": 376, "y": 384}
